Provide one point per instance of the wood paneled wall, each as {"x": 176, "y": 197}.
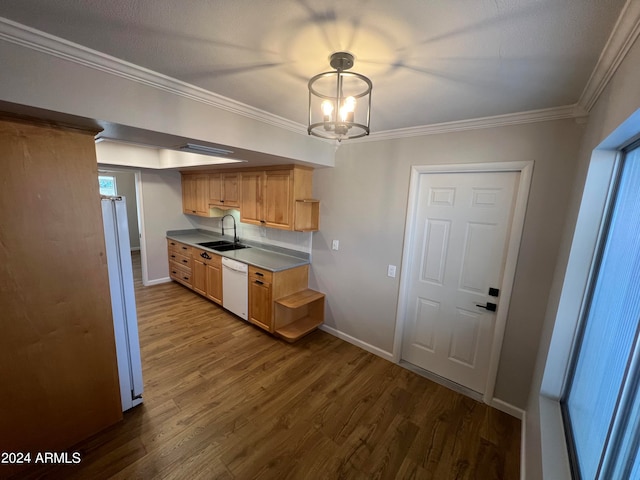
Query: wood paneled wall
{"x": 58, "y": 370}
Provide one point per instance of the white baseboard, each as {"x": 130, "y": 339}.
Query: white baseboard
{"x": 507, "y": 408}
{"x": 157, "y": 281}
{"x": 358, "y": 343}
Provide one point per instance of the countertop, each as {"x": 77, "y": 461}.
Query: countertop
{"x": 269, "y": 257}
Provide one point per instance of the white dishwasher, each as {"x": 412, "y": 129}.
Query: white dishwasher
{"x": 235, "y": 287}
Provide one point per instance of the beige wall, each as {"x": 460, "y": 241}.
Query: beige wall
{"x": 126, "y": 185}
{"x": 619, "y": 100}
{"x": 364, "y": 204}
{"x": 38, "y": 79}
{"x": 162, "y": 211}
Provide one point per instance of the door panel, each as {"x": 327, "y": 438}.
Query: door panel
{"x": 459, "y": 246}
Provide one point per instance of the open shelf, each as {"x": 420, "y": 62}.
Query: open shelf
{"x": 298, "y": 314}
{"x": 307, "y": 215}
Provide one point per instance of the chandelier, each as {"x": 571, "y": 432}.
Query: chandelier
{"x": 339, "y": 101}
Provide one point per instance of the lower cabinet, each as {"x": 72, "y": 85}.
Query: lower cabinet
{"x": 279, "y": 302}
{"x": 180, "y": 262}
{"x": 260, "y": 303}
{"x": 265, "y": 287}
{"x": 214, "y": 281}
{"x": 207, "y": 274}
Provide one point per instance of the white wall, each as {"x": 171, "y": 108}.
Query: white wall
{"x": 126, "y": 186}
{"x": 364, "y": 204}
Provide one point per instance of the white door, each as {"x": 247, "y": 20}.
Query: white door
{"x": 458, "y": 251}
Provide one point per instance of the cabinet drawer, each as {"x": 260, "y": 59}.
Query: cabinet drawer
{"x": 178, "y": 247}
{"x": 180, "y": 273}
{"x": 180, "y": 259}
{"x": 201, "y": 256}
{"x": 260, "y": 274}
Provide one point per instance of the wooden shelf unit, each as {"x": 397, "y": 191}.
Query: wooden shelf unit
{"x": 298, "y": 314}
{"x": 307, "y": 215}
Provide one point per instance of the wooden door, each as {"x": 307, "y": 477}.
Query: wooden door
{"x": 250, "y": 198}
{"x": 57, "y": 350}
{"x": 215, "y": 189}
{"x": 459, "y": 243}
{"x": 199, "y": 277}
{"x": 278, "y": 202}
{"x": 214, "y": 283}
{"x": 189, "y": 194}
{"x": 260, "y": 303}
{"x": 231, "y": 194}
{"x": 202, "y": 195}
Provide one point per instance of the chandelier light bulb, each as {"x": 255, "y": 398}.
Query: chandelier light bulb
{"x": 327, "y": 110}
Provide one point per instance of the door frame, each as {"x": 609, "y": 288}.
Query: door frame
{"x": 525, "y": 168}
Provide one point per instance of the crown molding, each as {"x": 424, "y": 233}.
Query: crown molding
{"x": 31, "y": 38}
{"x": 28, "y": 37}
{"x": 624, "y": 34}
{"x": 532, "y": 116}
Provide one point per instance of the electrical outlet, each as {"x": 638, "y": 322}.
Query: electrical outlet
{"x": 335, "y": 245}
{"x": 391, "y": 271}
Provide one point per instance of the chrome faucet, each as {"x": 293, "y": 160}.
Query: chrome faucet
{"x": 235, "y": 233}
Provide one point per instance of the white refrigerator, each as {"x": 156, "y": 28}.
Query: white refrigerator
{"x": 123, "y": 301}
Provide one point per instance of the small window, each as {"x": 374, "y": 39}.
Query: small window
{"x": 107, "y": 185}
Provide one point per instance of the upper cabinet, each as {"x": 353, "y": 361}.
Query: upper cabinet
{"x": 195, "y": 194}
{"x": 275, "y": 197}
{"x": 269, "y": 198}
{"x": 224, "y": 190}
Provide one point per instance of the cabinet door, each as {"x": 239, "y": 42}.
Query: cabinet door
{"x": 189, "y": 195}
{"x": 250, "y": 198}
{"x": 195, "y": 195}
{"x": 214, "y": 283}
{"x": 230, "y": 191}
{"x": 215, "y": 189}
{"x": 277, "y": 200}
{"x": 260, "y": 303}
{"x": 199, "y": 277}
{"x": 202, "y": 195}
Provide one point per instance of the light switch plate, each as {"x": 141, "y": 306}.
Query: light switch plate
{"x": 391, "y": 271}
{"x": 335, "y": 245}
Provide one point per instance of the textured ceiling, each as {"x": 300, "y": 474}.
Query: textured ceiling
{"x": 430, "y": 61}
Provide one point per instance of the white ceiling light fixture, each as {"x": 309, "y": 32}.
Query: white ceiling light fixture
{"x": 339, "y": 101}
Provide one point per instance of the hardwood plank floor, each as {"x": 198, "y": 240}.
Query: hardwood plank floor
{"x": 224, "y": 400}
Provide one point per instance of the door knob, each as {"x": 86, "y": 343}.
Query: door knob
{"x": 489, "y": 306}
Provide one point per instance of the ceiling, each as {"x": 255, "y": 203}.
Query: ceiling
{"x": 430, "y": 61}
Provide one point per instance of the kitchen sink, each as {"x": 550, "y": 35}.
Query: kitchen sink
{"x": 231, "y": 246}
{"x": 217, "y": 243}
{"x": 223, "y": 245}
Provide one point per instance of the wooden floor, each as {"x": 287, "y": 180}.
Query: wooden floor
{"x": 225, "y": 400}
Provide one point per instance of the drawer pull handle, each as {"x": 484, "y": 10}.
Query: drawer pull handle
{"x": 259, "y": 282}
{"x": 260, "y": 274}
{"x": 174, "y": 272}
{"x": 173, "y": 256}
{"x": 185, "y": 261}
{"x": 186, "y": 278}
{"x": 184, "y": 248}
